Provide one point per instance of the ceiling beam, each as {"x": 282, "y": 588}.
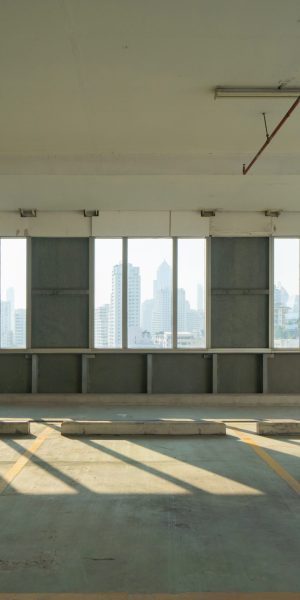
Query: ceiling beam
{"x": 256, "y": 92}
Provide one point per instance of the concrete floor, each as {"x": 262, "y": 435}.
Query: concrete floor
{"x": 57, "y": 411}
{"x": 150, "y": 515}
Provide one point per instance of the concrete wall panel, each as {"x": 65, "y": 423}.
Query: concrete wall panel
{"x": 117, "y": 373}
{"x": 60, "y": 373}
{"x": 15, "y": 374}
{"x": 240, "y": 263}
{"x": 182, "y": 374}
{"x": 239, "y": 373}
{"x": 60, "y": 321}
{"x": 239, "y": 321}
{"x": 60, "y": 263}
{"x": 60, "y": 299}
{"x": 239, "y": 292}
{"x": 284, "y": 374}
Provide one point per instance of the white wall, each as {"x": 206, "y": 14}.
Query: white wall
{"x": 149, "y": 223}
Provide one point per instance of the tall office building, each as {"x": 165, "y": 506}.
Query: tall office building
{"x": 6, "y": 329}
{"x": 134, "y": 305}
{"x": 108, "y": 317}
{"x": 200, "y": 297}
{"x": 20, "y": 328}
{"x": 147, "y": 315}
{"x": 162, "y": 296}
{"x": 281, "y": 296}
{"x": 10, "y": 297}
{"x": 101, "y": 326}
{"x": 115, "y": 309}
{"x": 183, "y": 308}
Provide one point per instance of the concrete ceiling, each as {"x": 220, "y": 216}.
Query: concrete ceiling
{"x": 104, "y": 100}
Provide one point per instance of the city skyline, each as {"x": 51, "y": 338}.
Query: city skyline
{"x": 13, "y": 322}
{"x": 149, "y": 321}
{"x": 13, "y": 292}
{"x": 286, "y": 317}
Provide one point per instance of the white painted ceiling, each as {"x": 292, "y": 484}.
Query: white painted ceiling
{"x": 110, "y": 104}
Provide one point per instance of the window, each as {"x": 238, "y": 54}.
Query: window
{"x": 150, "y": 296}
{"x": 191, "y": 293}
{"x": 150, "y": 293}
{"x": 286, "y": 293}
{"x": 108, "y": 293}
{"x": 13, "y": 293}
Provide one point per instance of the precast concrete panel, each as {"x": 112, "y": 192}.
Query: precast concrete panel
{"x": 239, "y": 321}
{"x": 59, "y": 373}
{"x": 240, "y": 292}
{"x": 117, "y": 373}
{"x": 60, "y": 321}
{"x": 284, "y": 374}
{"x": 182, "y": 373}
{"x": 60, "y": 263}
{"x": 240, "y": 263}
{"x": 15, "y": 374}
{"x": 239, "y": 373}
{"x": 60, "y": 293}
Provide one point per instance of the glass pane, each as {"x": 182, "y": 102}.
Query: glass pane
{"x": 13, "y": 293}
{"x": 286, "y": 293}
{"x": 150, "y": 293}
{"x": 191, "y": 293}
{"x": 108, "y": 293}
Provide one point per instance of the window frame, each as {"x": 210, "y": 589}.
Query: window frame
{"x": 273, "y": 348}
{"x": 174, "y": 348}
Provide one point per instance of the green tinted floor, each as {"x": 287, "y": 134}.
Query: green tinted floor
{"x": 153, "y": 515}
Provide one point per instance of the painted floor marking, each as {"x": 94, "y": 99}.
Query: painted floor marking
{"x": 271, "y": 462}
{"x": 10, "y": 475}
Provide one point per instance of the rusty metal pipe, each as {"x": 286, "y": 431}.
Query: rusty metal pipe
{"x": 283, "y": 120}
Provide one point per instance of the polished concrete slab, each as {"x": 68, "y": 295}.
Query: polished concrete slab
{"x": 145, "y": 515}
{"x": 143, "y": 427}
{"x": 67, "y": 408}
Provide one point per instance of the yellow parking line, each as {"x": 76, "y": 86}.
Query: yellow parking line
{"x": 10, "y": 475}
{"x": 273, "y": 464}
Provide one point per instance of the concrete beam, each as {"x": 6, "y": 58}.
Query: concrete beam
{"x": 9, "y": 427}
{"x": 278, "y": 427}
{"x": 158, "y": 427}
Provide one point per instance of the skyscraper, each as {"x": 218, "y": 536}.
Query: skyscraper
{"x": 134, "y": 305}
{"x": 147, "y": 315}
{"x": 10, "y": 297}
{"x": 162, "y": 296}
{"x": 101, "y": 326}
{"x": 182, "y": 310}
{"x": 6, "y": 329}
{"x": 200, "y": 297}
{"x": 20, "y": 327}
{"x": 115, "y": 309}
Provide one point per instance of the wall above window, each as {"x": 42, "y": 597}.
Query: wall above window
{"x": 137, "y": 223}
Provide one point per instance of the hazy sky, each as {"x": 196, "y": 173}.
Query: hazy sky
{"x": 107, "y": 254}
{"x": 13, "y": 269}
{"x": 148, "y": 254}
{"x": 191, "y": 267}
